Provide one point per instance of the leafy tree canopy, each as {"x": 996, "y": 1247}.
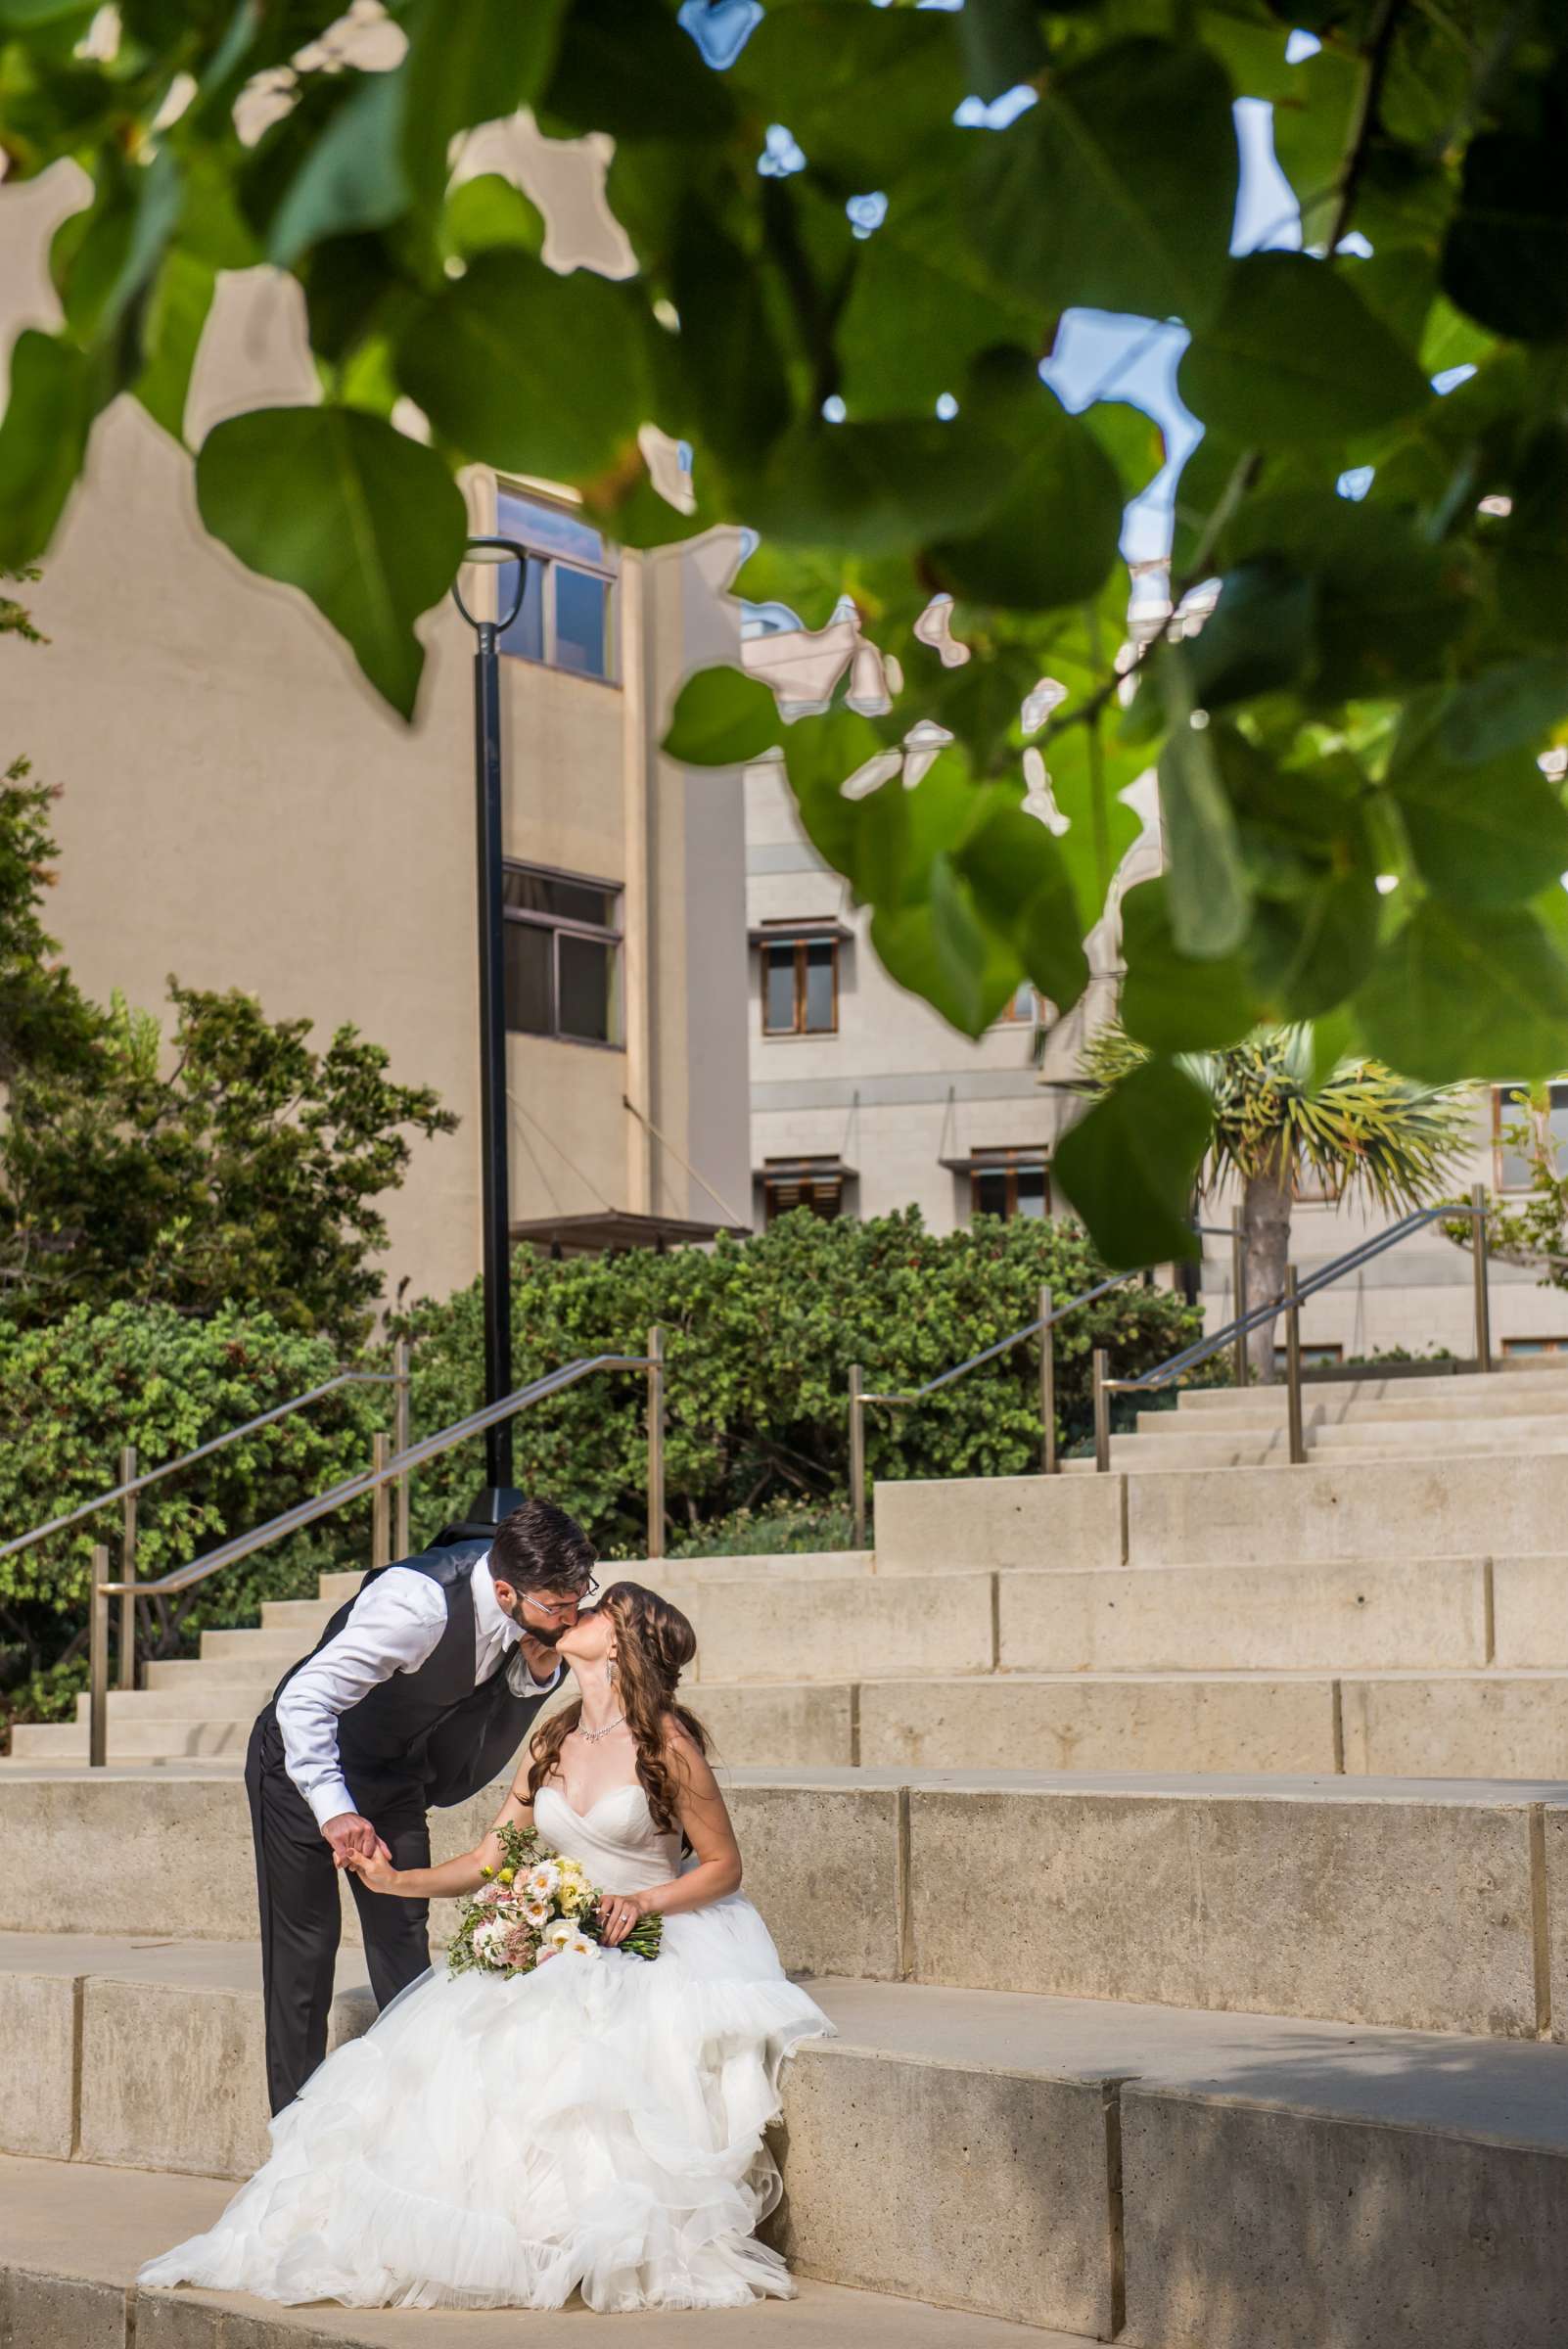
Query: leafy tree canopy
{"x": 1380, "y": 673}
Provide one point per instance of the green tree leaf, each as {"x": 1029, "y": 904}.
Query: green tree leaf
{"x": 1461, "y": 992}
{"x": 486, "y": 211}
{"x": 1507, "y": 708}
{"x": 1023, "y": 892}
{"x": 723, "y": 717}
{"x": 1129, "y": 1165}
{"x": 1116, "y": 190}
{"x": 469, "y": 61}
{"x": 369, "y": 524}
{"x": 1209, "y": 896}
{"x": 171, "y": 334}
{"x": 1176, "y": 1002}
{"x": 1052, "y": 538}
{"x": 1505, "y": 257}
{"x": 813, "y": 65}
{"x": 1486, "y": 834}
{"x": 43, "y": 439}
{"x": 1259, "y": 638}
{"x": 876, "y": 488}
{"x": 486, "y": 360}
{"x": 1293, "y": 354}
{"x": 353, "y": 176}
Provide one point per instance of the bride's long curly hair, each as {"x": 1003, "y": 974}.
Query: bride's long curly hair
{"x": 654, "y": 1644}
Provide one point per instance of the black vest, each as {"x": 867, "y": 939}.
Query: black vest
{"x": 430, "y": 1731}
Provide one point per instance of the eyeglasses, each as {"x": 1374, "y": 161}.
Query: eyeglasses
{"x": 556, "y": 1610}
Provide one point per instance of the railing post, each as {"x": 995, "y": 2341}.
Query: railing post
{"x": 128, "y": 1572}
{"x": 1478, "y": 1251}
{"x": 98, "y": 1663}
{"x": 656, "y": 1442}
{"x": 1238, "y": 1298}
{"x": 857, "y": 1455}
{"x": 1102, "y": 1414}
{"x": 380, "y": 1504}
{"x": 1292, "y": 1305}
{"x": 1047, "y": 1386}
{"x": 402, "y": 1436}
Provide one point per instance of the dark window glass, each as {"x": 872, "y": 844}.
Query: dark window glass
{"x": 819, "y": 1006}
{"x": 990, "y": 1191}
{"x": 1032, "y": 1191}
{"x": 580, "y": 610}
{"x": 526, "y": 635}
{"x": 529, "y": 1008}
{"x": 779, "y": 979}
{"x": 586, "y": 976}
{"x": 823, "y": 1196}
{"x": 526, "y": 891}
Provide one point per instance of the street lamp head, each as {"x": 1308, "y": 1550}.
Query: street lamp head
{"x": 495, "y": 552}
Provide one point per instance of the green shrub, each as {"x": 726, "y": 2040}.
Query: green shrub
{"x": 760, "y": 1336}
{"x": 784, "y": 1530}
{"x": 70, "y": 1396}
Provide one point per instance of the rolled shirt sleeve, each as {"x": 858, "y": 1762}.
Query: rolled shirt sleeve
{"x": 393, "y": 1626}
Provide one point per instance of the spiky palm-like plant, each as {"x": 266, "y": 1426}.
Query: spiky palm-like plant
{"x": 1362, "y": 1131}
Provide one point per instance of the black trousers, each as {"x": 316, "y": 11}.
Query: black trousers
{"x": 301, "y": 1908}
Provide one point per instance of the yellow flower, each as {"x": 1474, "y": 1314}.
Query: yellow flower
{"x": 509, "y": 1876}
{"x": 486, "y": 1872}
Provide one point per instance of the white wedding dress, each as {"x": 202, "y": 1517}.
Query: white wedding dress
{"x": 502, "y": 2141}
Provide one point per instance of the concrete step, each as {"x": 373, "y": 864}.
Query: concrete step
{"x": 1543, "y": 1374}
{"x": 71, "y": 2238}
{"x": 1413, "y": 1399}
{"x": 1434, "y": 1906}
{"x": 257, "y": 1681}
{"x": 1150, "y": 2173}
{"x": 131, "y": 1740}
{"x": 1339, "y": 1509}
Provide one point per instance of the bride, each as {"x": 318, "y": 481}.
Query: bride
{"x": 594, "y": 2126}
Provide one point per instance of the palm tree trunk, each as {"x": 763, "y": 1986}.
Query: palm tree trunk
{"x": 1265, "y": 1240}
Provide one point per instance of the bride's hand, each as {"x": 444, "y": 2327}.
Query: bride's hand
{"x": 619, "y": 1911}
{"x": 375, "y": 1873}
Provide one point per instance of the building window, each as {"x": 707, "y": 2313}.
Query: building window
{"x": 1526, "y": 1346}
{"x": 1025, "y": 1007}
{"x": 801, "y": 986}
{"x": 1312, "y": 1358}
{"x": 563, "y": 956}
{"x": 1009, "y": 1182}
{"x": 1515, "y": 1120}
{"x": 568, "y": 616}
{"x": 816, "y": 1183}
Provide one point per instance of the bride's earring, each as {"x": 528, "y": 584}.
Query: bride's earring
{"x": 610, "y": 1670}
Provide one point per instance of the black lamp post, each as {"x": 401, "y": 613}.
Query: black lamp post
{"x": 498, "y": 1496}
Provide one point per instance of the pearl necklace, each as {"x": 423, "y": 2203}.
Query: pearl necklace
{"x": 592, "y": 1736}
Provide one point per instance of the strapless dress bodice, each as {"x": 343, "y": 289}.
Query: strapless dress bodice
{"x": 616, "y": 1839}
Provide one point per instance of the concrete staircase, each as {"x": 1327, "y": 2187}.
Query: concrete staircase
{"x": 1182, "y": 1858}
{"x": 1149, "y": 2061}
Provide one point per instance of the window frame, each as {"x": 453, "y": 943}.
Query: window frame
{"x": 568, "y": 926}
{"x": 550, "y": 560}
{"x": 1024, "y": 1159}
{"x": 1517, "y": 1190}
{"x": 835, "y": 1176}
{"x": 800, "y": 942}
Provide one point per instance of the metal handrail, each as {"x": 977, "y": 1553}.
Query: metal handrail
{"x": 389, "y": 1467}
{"x": 129, "y": 1486}
{"x": 1043, "y": 1323}
{"x": 133, "y": 1483}
{"x": 1295, "y": 1294}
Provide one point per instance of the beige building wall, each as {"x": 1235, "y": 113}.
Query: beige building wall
{"x": 241, "y": 809}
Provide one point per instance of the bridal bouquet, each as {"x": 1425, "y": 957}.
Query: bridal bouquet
{"x": 535, "y": 1906}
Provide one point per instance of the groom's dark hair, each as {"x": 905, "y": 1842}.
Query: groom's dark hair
{"x": 539, "y": 1548}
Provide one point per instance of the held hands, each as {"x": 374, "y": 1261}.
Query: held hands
{"x": 377, "y": 1873}
{"x": 619, "y": 1911}
{"x": 351, "y": 1836}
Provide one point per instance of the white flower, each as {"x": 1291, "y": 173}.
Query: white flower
{"x": 561, "y": 1932}
{"x": 579, "y": 1945}
{"x": 543, "y": 1881}
{"x": 536, "y": 1913}
{"x": 489, "y": 1941}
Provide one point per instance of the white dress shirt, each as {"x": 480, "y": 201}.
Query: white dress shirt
{"x": 393, "y": 1626}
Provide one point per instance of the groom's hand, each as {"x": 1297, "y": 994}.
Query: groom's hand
{"x": 348, "y": 1832}
{"x": 542, "y": 1660}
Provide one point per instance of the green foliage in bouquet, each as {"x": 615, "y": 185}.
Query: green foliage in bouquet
{"x": 758, "y": 1340}
{"x": 538, "y": 1903}
{"x": 848, "y": 339}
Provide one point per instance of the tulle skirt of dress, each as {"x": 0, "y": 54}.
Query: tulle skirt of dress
{"x": 595, "y": 2126}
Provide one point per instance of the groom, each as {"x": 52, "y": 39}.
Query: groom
{"x": 419, "y": 1691}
